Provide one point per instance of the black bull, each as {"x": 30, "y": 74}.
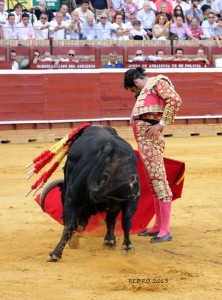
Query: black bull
{"x": 100, "y": 175}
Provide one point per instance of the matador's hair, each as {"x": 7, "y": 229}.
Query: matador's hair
{"x": 131, "y": 75}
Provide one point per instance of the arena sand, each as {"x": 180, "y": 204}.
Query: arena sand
{"x": 189, "y": 267}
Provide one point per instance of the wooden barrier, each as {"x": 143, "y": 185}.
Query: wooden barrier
{"x": 46, "y": 105}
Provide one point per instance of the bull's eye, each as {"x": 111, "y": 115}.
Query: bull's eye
{"x": 105, "y": 179}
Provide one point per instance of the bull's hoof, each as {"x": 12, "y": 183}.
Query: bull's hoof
{"x": 52, "y": 258}
{"x": 127, "y": 249}
{"x": 73, "y": 242}
{"x": 111, "y": 244}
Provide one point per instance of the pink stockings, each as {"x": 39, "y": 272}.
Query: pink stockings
{"x": 162, "y": 218}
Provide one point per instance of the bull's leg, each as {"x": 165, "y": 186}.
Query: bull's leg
{"x": 56, "y": 254}
{"x": 128, "y": 211}
{"x": 70, "y": 223}
{"x": 110, "y": 240}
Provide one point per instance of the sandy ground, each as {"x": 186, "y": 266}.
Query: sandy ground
{"x": 189, "y": 267}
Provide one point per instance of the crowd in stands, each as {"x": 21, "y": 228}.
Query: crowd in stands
{"x": 115, "y": 20}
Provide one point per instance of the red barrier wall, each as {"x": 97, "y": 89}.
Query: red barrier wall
{"x": 59, "y": 95}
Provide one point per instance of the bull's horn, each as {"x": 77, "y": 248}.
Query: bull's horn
{"x": 47, "y": 189}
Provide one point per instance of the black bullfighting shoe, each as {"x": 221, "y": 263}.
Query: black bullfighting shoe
{"x": 148, "y": 233}
{"x": 165, "y": 238}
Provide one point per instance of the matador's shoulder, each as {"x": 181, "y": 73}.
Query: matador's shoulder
{"x": 154, "y": 80}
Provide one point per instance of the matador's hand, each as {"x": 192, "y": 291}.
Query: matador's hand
{"x": 154, "y": 130}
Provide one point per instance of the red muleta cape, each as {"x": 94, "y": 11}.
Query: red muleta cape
{"x": 175, "y": 174}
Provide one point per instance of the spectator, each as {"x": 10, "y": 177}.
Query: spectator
{"x": 160, "y": 56}
{"x": 70, "y": 57}
{"x": 129, "y": 8}
{"x": 213, "y": 5}
{"x": 113, "y": 62}
{"x": 17, "y": 12}
{"x": 201, "y": 56}
{"x": 66, "y": 15}
{"x": 41, "y": 27}
{"x": 195, "y": 29}
{"x": 205, "y": 9}
{"x": 163, "y": 9}
{"x": 147, "y": 17}
{"x": 182, "y": 4}
{"x": 89, "y": 28}
{"x": 115, "y": 6}
{"x": 103, "y": 28}
{"x": 41, "y": 8}
{"x": 152, "y": 5}
{"x": 46, "y": 57}
{"x": 83, "y": 10}
{"x": 138, "y": 33}
{"x": 101, "y": 6}
{"x": 75, "y": 32}
{"x": 10, "y": 29}
{"x": 169, "y": 9}
{"x": 57, "y": 27}
{"x": 24, "y": 64}
{"x": 178, "y": 12}
{"x": 36, "y": 55}
{"x": 139, "y": 56}
{"x": 120, "y": 30}
{"x": 3, "y": 14}
{"x": 161, "y": 53}
{"x": 131, "y": 23}
{"x": 179, "y": 55}
{"x": 161, "y": 28}
{"x": 218, "y": 32}
{"x": 194, "y": 12}
{"x": 86, "y": 58}
{"x": 208, "y": 26}
{"x": 13, "y": 59}
{"x": 25, "y": 29}
{"x": 180, "y": 29}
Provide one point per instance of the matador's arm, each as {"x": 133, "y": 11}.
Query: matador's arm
{"x": 172, "y": 99}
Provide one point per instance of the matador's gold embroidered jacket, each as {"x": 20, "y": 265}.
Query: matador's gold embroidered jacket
{"x": 158, "y": 97}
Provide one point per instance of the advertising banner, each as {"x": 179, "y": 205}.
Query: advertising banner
{"x": 50, "y": 4}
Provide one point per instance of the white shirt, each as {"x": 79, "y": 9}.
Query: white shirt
{"x": 208, "y": 29}
{"x": 83, "y": 15}
{"x": 15, "y": 65}
{"x": 3, "y": 18}
{"x": 41, "y": 34}
{"x": 18, "y": 18}
{"x": 116, "y": 4}
{"x": 213, "y": 4}
{"x": 59, "y": 34}
{"x": 114, "y": 28}
{"x": 147, "y": 18}
{"x": 10, "y": 32}
{"x": 218, "y": 63}
{"x": 140, "y": 3}
{"x": 89, "y": 31}
{"x": 140, "y": 32}
{"x": 26, "y": 32}
{"x": 103, "y": 33}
